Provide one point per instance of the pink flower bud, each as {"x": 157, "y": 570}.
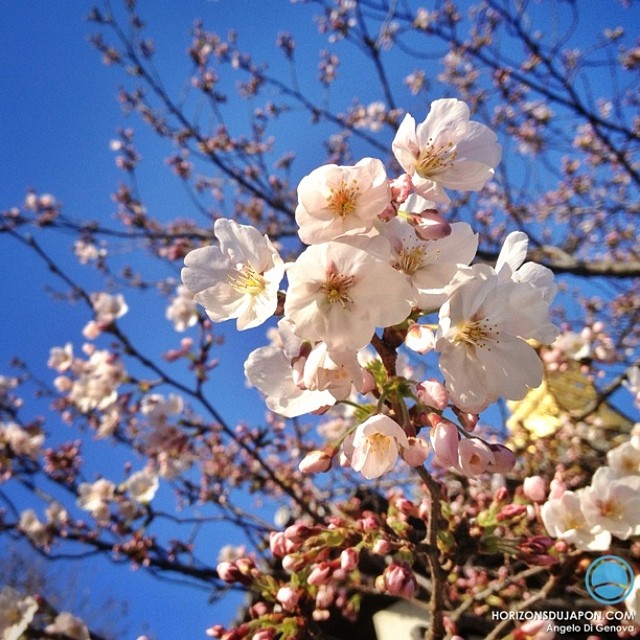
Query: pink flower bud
{"x": 444, "y": 440}
{"x": 556, "y": 489}
{"x": 278, "y": 544}
{"x": 292, "y": 563}
{"x": 420, "y": 339}
{"x": 399, "y": 581}
{"x": 430, "y": 225}
{"x": 288, "y": 598}
{"x": 264, "y": 634}
{"x": 416, "y": 453}
{"x": 433, "y": 394}
{"x": 349, "y": 559}
{"x": 511, "y": 511}
{"x": 535, "y": 488}
{"x": 229, "y": 572}
{"x": 405, "y": 506}
{"x": 467, "y": 420}
{"x": 315, "y": 462}
{"x": 504, "y": 460}
{"x": 474, "y": 457}
{"x": 381, "y": 547}
{"x": 320, "y": 574}
{"x": 325, "y": 596}
{"x": 299, "y": 532}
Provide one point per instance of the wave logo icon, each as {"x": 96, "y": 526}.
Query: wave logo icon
{"x": 609, "y": 579}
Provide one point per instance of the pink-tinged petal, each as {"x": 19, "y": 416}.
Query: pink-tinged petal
{"x": 512, "y": 254}
{"x": 511, "y": 367}
{"x": 466, "y": 380}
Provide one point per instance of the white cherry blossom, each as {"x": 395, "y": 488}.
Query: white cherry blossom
{"x": 95, "y": 497}
{"x": 446, "y": 150}
{"x": 376, "y": 445}
{"x": 142, "y": 485}
{"x": 429, "y": 265}
{"x": 482, "y": 330}
{"x": 237, "y": 279}
{"x": 182, "y": 310}
{"x": 336, "y": 200}
{"x": 107, "y": 307}
{"x": 16, "y": 613}
{"x": 69, "y": 626}
{"x": 564, "y": 519}
{"x": 339, "y": 294}
{"x": 613, "y": 503}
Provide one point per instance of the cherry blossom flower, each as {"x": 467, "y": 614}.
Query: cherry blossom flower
{"x": 563, "y": 518}
{"x": 336, "y": 200}
{"x": 21, "y": 441}
{"x": 237, "y": 279}
{"x": 511, "y": 265}
{"x": 182, "y": 311}
{"x": 16, "y": 613}
{"x": 376, "y": 445}
{"x": 67, "y": 625}
{"x": 97, "y": 381}
{"x": 474, "y": 457}
{"x": 335, "y": 293}
{"x": 613, "y": 503}
{"x": 624, "y": 459}
{"x": 429, "y": 265}
{"x": 157, "y": 408}
{"x": 270, "y": 369}
{"x": 33, "y": 528}
{"x": 420, "y": 338}
{"x": 481, "y": 335}
{"x": 108, "y": 308}
{"x": 142, "y": 485}
{"x": 61, "y": 358}
{"x": 95, "y": 497}
{"x": 446, "y": 150}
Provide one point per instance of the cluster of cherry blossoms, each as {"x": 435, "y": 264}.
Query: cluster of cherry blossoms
{"x": 381, "y": 257}
{"x": 609, "y": 506}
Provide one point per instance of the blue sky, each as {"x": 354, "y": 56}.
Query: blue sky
{"x": 57, "y": 117}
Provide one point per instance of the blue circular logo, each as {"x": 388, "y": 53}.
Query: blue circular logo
{"x": 609, "y": 579}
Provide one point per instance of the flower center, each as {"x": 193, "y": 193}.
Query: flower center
{"x": 411, "y": 260}
{"x": 477, "y": 333}
{"x": 378, "y": 444}
{"x": 336, "y": 288}
{"x": 342, "y": 200}
{"x": 247, "y": 280}
{"x": 609, "y": 509}
{"x": 433, "y": 159}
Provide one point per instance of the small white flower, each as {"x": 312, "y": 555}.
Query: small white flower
{"x": 69, "y": 626}
{"x": 182, "y": 311}
{"x": 96, "y": 497}
{"x": 142, "y": 485}
{"x": 376, "y": 446}
{"x": 339, "y": 294}
{"x": 625, "y": 459}
{"x": 237, "y": 279}
{"x": 613, "y": 503}
{"x": 61, "y": 358}
{"x": 35, "y": 530}
{"x": 107, "y": 307}
{"x": 16, "y": 613}
{"x": 158, "y": 409}
{"x": 564, "y": 519}
{"x": 446, "y": 150}
{"x": 337, "y": 200}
